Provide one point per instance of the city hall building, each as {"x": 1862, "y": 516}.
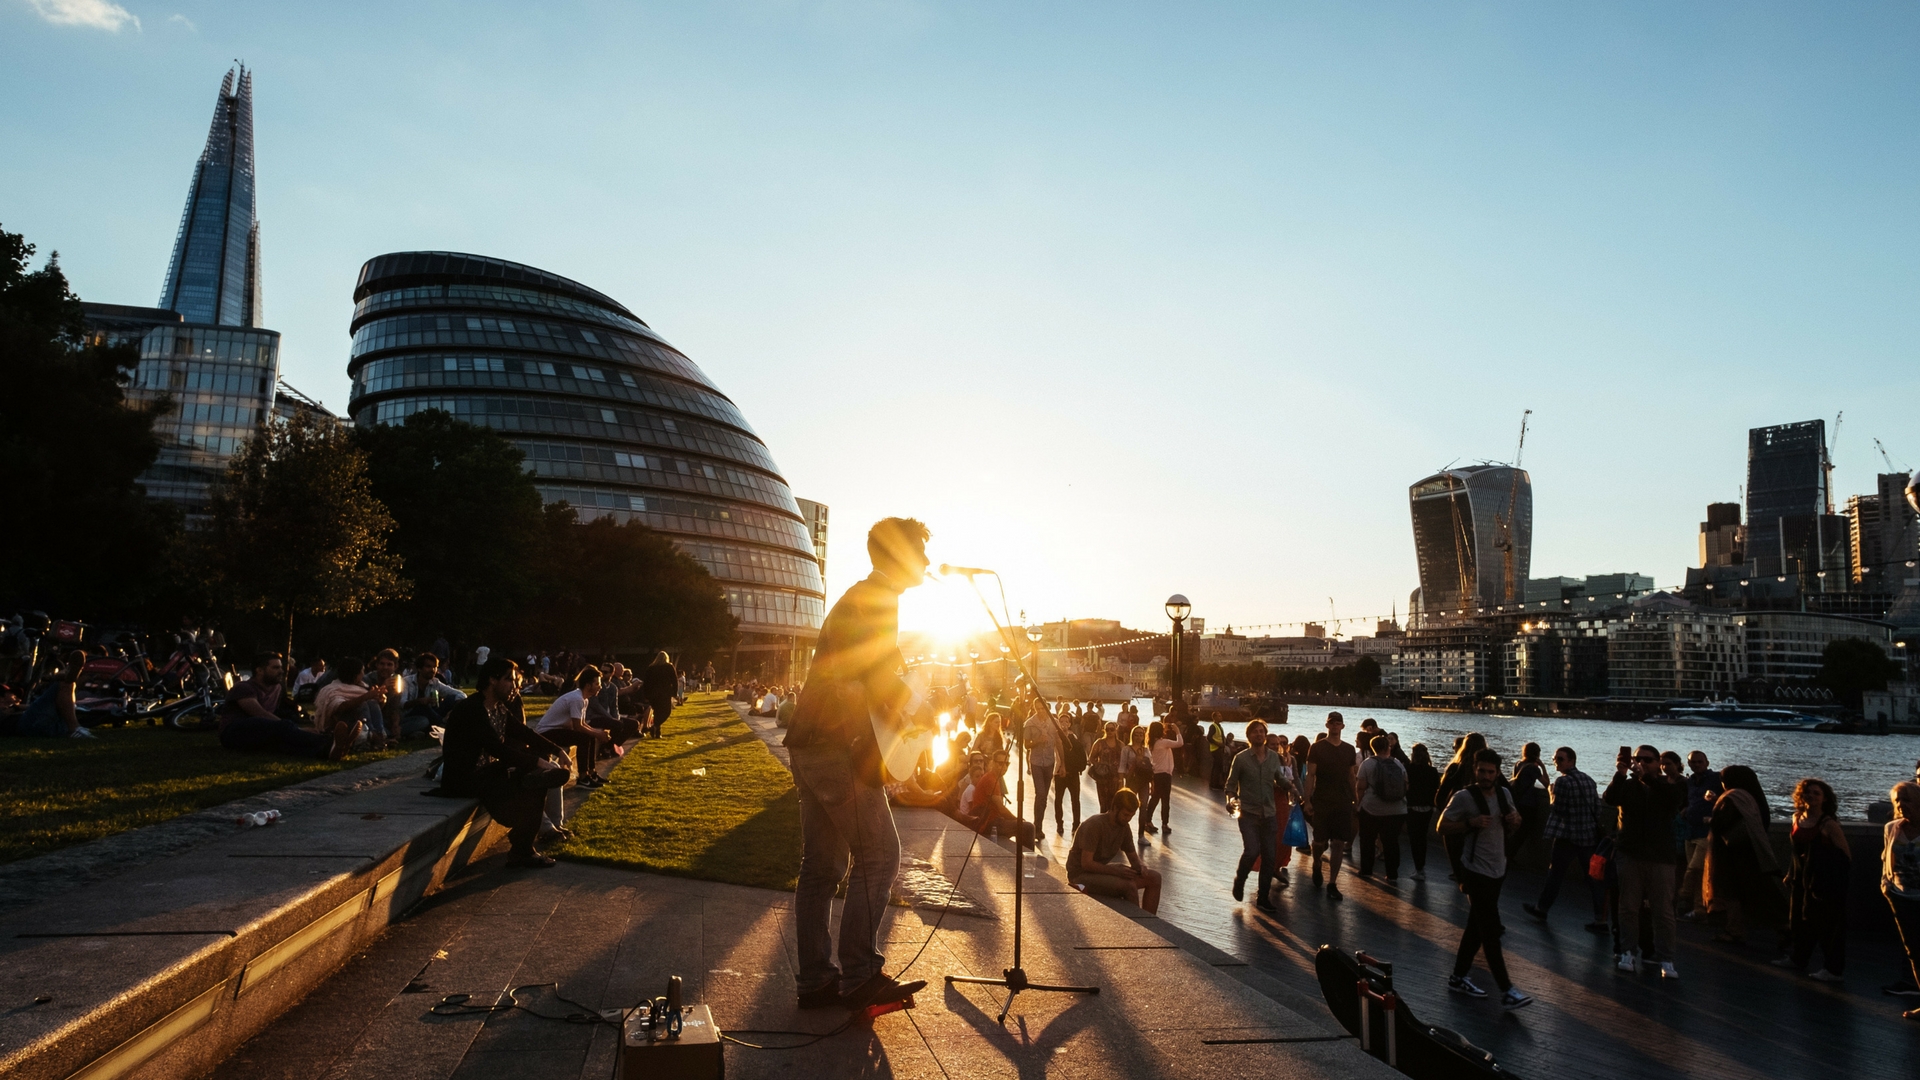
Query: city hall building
{"x": 612, "y": 419}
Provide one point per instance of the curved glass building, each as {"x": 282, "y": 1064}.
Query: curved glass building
{"x": 611, "y": 419}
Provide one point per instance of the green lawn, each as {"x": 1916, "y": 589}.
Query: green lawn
{"x": 55, "y": 793}
{"x": 739, "y": 822}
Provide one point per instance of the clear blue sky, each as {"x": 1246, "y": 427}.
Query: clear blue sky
{"x": 1122, "y": 300}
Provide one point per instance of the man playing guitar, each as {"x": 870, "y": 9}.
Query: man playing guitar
{"x": 853, "y": 694}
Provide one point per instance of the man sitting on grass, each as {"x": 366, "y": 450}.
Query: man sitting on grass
{"x": 348, "y": 699}
{"x": 426, "y": 698}
{"x": 1100, "y": 840}
{"x": 565, "y": 724}
{"x": 257, "y": 716}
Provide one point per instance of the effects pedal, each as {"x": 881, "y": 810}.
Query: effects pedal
{"x": 872, "y": 1012}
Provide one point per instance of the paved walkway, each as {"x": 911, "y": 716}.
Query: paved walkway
{"x": 1730, "y": 1017}
{"x": 610, "y": 937}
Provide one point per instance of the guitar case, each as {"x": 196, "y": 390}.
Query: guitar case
{"x": 1425, "y": 1052}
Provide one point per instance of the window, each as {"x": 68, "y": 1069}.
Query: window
{"x": 607, "y": 416}
{"x": 588, "y": 335}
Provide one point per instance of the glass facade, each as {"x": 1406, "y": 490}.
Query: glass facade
{"x": 215, "y": 274}
{"x": 1786, "y": 478}
{"x": 1473, "y": 535}
{"x": 611, "y": 418}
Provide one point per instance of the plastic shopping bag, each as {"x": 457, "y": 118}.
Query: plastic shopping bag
{"x": 1296, "y": 834}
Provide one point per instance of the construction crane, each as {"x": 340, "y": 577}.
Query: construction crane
{"x": 1503, "y": 522}
{"x": 1888, "y": 458}
{"x": 1826, "y": 455}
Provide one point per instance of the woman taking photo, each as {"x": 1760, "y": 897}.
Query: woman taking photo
{"x": 1103, "y": 763}
{"x": 1162, "y": 741}
{"x": 1817, "y": 883}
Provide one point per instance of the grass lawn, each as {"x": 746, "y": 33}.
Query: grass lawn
{"x": 55, "y": 793}
{"x": 738, "y": 822}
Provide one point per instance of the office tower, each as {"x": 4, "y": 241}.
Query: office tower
{"x": 1473, "y": 537}
{"x": 612, "y": 419}
{"x": 1786, "y": 478}
{"x": 1882, "y": 528}
{"x": 1722, "y": 537}
{"x": 815, "y": 515}
{"x": 203, "y": 345}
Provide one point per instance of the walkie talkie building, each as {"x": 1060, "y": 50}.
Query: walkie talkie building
{"x": 1473, "y": 535}
{"x": 611, "y": 418}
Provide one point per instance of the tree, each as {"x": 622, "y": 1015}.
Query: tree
{"x": 81, "y": 534}
{"x": 1851, "y": 666}
{"x": 467, "y": 522}
{"x": 294, "y": 531}
{"x": 620, "y": 587}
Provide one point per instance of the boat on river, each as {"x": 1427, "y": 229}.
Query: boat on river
{"x": 1732, "y": 714}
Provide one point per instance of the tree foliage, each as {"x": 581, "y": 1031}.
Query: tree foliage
{"x": 467, "y": 522}
{"x": 293, "y": 530}
{"x": 1360, "y": 677}
{"x": 1851, "y": 666}
{"x": 610, "y": 587}
{"x": 81, "y": 536}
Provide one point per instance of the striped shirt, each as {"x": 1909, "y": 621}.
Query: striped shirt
{"x": 1575, "y": 816}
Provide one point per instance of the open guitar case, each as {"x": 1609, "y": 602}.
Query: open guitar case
{"x": 1418, "y": 1049}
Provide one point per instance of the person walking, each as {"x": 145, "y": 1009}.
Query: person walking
{"x": 1529, "y": 784}
{"x": 1483, "y": 816}
{"x": 1647, "y": 804}
{"x": 1331, "y": 765}
{"x": 1457, "y": 775}
{"x": 1137, "y": 764}
{"x": 1161, "y": 745}
{"x": 1103, "y": 764}
{"x": 1042, "y": 740}
{"x": 1704, "y": 787}
{"x": 1573, "y": 828}
{"x": 1252, "y": 778}
{"x": 1383, "y": 808}
{"x": 1900, "y": 883}
{"x": 1217, "y": 754}
{"x": 1423, "y": 780}
{"x": 1742, "y": 879}
{"x": 659, "y": 685}
{"x": 1069, "y": 763}
{"x": 1817, "y": 883}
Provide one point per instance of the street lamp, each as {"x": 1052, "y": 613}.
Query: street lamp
{"x": 1178, "y": 608}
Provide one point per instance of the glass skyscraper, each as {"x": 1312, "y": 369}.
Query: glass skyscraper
{"x": 203, "y": 344}
{"x": 1473, "y": 536}
{"x": 611, "y": 418}
{"x": 1786, "y": 494}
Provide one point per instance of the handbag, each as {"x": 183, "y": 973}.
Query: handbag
{"x": 1296, "y": 834}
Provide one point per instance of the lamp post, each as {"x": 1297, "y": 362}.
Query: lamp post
{"x": 1178, "y": 608}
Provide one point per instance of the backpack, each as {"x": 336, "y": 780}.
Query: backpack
{"x": 1390, "y": 778}
{"x": 1502, "y": 799}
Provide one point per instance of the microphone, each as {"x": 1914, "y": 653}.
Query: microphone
{"x": 950, "y": 570}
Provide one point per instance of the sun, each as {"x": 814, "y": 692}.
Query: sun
{"x": 945, "y": 613}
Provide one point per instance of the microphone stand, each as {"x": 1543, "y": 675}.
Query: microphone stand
{"x": 1015, "y": 978}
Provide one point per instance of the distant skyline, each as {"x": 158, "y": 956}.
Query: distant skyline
{"x": 1121, "y": 301}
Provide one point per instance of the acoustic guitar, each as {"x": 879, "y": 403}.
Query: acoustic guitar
{"x": 903, "y": 734}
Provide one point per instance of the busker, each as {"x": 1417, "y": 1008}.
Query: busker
{"x": 1484, "y": 816}
{"x": 844, "y": 817}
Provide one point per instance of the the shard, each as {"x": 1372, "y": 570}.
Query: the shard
{"x": 214, "y": 278}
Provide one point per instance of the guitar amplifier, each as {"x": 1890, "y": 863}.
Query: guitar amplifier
{"x": 694, "y": 1055}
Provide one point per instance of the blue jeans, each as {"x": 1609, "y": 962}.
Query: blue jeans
{"x": 841, "y": 818}
{"x": 1042, "y": 776}
{"x": 1259, "y": 838}
{"x": 282, "y": 736}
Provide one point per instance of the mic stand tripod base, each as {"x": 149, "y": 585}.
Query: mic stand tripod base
{"x": 1015, "y": 980}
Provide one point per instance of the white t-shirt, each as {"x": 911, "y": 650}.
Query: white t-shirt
{"x": 1162, "y": 751}
{"x": 305, "y": 678}
{"x": 1484, "y": 850}
{"x": 567, "y": 707}
{"x": 480, "y": 655}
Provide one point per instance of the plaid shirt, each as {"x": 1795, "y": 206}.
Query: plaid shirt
{"x": 1575, "y": 816}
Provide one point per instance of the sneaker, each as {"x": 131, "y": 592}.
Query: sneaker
{"x": 1266, "y": 905}
{"x": 1696, "y": 915}
{"x": 1901, "y": 989}
{"x": 1239, "y": 888}
{"x": 1825, "y": 976}
{"x": 1419, "y": 875}
{"x": 1149, "y": 830}
{"x": 1333, "y": 892}
{"x": 1535, "y": 910}
{"x": 1460, "y": 984}
{"x": 1317, "y": 882}
{"x": 881, "y": 990}
{"x": 1514, "y": 999}
{"x": 1628, "y": 963}
{"x": 530, "y": 858}
{"x": 1168, "y": 829}
{"x": 83, "y": 733}
{"x": 826, "y": 997}
{"x": 1785, "y": 962}
{"x": 1280, "y": 880}
{"x": 1668, "y": 971}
